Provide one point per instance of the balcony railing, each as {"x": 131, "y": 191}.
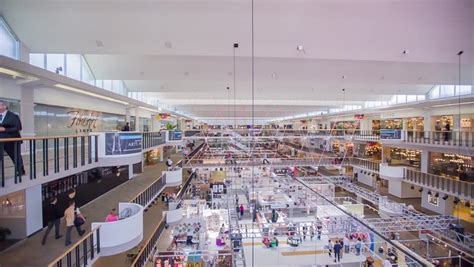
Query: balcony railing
{"x": 153, "y": 139}
{"x": 82, "y": 253}
{"x": 441, "y": 184}
{"x": 365, "y": 164}
{"x": 43, "y": 156}
{"x": 445, "y": 138}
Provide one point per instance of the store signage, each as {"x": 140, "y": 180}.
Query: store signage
{"x": 176, "y": 135}
{"x": 83, "y": 121}
{"x": 163, "y": 116}
{"x": 359, "y": 117}
{"x": 390, "y": 134}
{"x": 122, "y": 143}
{"x": 433, "y": 200}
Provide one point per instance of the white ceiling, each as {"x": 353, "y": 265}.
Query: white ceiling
{"x": 362, "y": 40}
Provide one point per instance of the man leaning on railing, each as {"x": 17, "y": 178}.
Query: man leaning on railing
{"x": 10, "y": 127}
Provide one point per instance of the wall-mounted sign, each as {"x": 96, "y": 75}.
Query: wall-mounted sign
{"x": 121, "y": 143}
{"x": 83, "y": 121}
{"x": 466, "y": 123}
{"x": 359, "y": 117}
{"x": 162, "y": 116}
{"x": 176, "y": 135}
{"x": 390, "y": 134}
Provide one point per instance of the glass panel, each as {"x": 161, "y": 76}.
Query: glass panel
{"x": 37, "y": 60}
{"x": 55, "y": 63}
{"x": 421, "y": 97}
{"x": 8, "y": 43}
{"x": 117, "y": 86}
{"x": 73, "y": 68}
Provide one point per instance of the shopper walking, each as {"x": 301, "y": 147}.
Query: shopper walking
{"x": 311, "y": 232}
{"x": 53, "y": 215}
{"x": 241, "y": 210}
{"x": 337, "y": 251}
{"x": 69, "y": 216}
{"x": 305, "y": 230}
{"x": 10, "y": 127}
{"x": 126, "y": 127}
{"x": 79, "y": 219}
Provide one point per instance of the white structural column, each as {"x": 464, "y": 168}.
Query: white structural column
{"x": 424, "y": 160}
{"x": 427, "y": 123}
{"x": 27, "y": 112}
{"x": 34, "y": 209}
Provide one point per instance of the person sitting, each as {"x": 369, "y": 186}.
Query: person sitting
{"x": 112, "y": 216}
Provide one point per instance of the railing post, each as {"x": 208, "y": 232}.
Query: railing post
{"x": 74, "y": 152}
{"x": 96, "y": 145}
{"x": 89, "y": 149}
{"x": 45, "y": 157}
{"x": 66, "y": 153}
{"x": 84, "y": 246}
{"x": 83, "y": 151}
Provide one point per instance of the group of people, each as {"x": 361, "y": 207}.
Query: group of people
{"x": 72, "y": 215}
{"x": 168, "y": 197}
{"x": 270, "y": 242}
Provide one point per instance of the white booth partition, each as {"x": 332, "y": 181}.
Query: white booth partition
{"x": 124, "y": 234}
{"x": 173, "y": 216}
{"x": 174, "y": 177}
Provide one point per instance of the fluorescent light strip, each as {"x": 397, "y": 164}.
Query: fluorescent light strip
{"x": 149, "y": 109}
{"x": 13, "y": 73}
{"x": 72, "y": 89}
{"x": 455, "y": 104}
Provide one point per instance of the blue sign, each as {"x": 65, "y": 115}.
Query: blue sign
{"x": 176, "y": 135}
{"x": 390, "y": 134}
{"x": 121, "y": 143}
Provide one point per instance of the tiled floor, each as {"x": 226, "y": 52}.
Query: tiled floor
{"x": 30, "y": 252}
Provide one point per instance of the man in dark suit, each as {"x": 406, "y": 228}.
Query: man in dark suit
{"x": 53, "y": 215}
{"x": 10, "y": 127}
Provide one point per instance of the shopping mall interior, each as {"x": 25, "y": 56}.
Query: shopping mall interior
{"x": 202, "y": 133}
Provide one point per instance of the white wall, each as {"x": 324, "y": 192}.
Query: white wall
{"x": 402, "y": 189}
{"x": 445, "y": 207}
{"x": 9, "y": 89}
{"x": 364, "y": 178}
{"x": 34, "y": 209}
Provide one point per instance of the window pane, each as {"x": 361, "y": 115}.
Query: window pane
{"x": 73, "y": 66}
{"x": 411, "y": 98}
{"x": 37, "y": 60}
{"x": 421, "y": 97}
{"x": 87, "y": 75}
{"x": 434, "y": 93}
{"x": 108, "y": 85}
{"x": 465, "y": 89}
{"x": 117, "y": 86}
{"x": 8, "y": 43}
{"x": 446, "y": 90}
{"x": 55, "y": 63}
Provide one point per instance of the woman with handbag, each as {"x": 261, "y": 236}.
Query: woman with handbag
{"x": 79, "y": 219}
{"x": 71, "y": 222}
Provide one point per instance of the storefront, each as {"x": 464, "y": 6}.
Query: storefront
{"x": 453, "y": 165}
{"x": 396, "y": 124}
{"x": 152, "y": 157}
{"x": 403, "y": 157}
{"x": 345, "y": 125}
{"x": 371, "y": 150}
{"x": 415, "y": 124}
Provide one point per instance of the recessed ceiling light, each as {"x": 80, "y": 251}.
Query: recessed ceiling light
{"x": 406, "y": 52}
{"x": 168, "y": 44}
{"x": 99, "y": 43}
{"x": 343, "y": 77}
{"x": 299, "y": 48}
{"x": 274, "y": 75}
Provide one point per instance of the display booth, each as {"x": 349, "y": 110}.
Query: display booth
{"x": 126, "y": 233}
{"x": 173, "y": 177}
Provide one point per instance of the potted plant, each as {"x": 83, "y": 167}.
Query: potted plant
{"x": 169, "y": 126}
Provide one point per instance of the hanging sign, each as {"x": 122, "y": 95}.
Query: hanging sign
{"x": 359, "y": 117}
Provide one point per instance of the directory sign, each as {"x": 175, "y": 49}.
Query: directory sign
{"x": 122, "y": 143}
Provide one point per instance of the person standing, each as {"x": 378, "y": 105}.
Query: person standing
{"x": 346, "y": 243}
{"x": 126, "y": 127}
{"x": 447, "y": 133}
{"x": 169, "y": 164}
{"x": 112, "y": 216}
{"x": 337, "y": 252}
{"x": 53, "y": 215}
{"x": 241, "y": 210}
{"x": 10, "y": 127}
{"x": 358, "y": 246}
